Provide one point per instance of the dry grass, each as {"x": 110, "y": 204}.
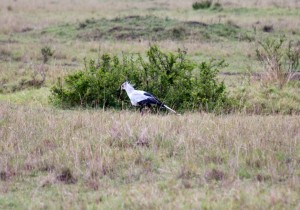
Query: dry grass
{"x": 154, "y": 161}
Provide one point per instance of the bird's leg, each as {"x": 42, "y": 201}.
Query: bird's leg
{"x": 150, "y": 107}
{"x": 141, "y": 110}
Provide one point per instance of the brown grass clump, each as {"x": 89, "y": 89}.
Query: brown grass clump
{"x": 66, "y": 176}
{"x": 215, "y": 174}
{"x": 3, "y": 176}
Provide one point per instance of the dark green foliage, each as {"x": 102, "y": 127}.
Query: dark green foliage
{"x": 168, "y": 76}
{"x": 93, "y": 87}
{"x": 46, "y": 53}
{"x": 208, "y": 94}
{"x": 202, "y": 4}
{"x": 171, "y": 77}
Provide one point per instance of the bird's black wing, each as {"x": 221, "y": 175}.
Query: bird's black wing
{"x": 150, "y": 100}
{"x": 152, "y": 96}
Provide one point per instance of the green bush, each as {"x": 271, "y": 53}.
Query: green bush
{"x": 171, "y": 77}
{"x": 94, "y": 87}
{"x": 280, "y": 58}
{"x": 46, "y": 53}
{"x": 202, "y": 4}
{"x": 167, "y": 76}
{"x": 208, "y": 94}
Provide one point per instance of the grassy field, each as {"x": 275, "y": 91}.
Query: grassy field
{"x": 94, "y": 159}
{"x": 104, "y": 159}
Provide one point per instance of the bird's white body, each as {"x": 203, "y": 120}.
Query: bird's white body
{"x": 137, "y": 96}
{"x": 141, "y": 98}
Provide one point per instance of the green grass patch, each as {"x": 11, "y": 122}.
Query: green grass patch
{"x": 268, "y": 99}
{"x": 29, "y": 97}
{"x": 65, "y": 31}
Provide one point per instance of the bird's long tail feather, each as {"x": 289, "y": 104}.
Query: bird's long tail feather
{"x": 170, "y": 109}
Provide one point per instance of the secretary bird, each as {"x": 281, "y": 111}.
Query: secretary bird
{"x": 142, "y": 98}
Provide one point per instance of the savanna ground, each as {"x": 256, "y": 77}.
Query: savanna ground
{"x": 85, "y": 159}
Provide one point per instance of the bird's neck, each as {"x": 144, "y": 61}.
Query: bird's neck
{"x": 129, "y": 89}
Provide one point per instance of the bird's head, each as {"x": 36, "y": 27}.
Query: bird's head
{"x": 127, "y": 86}
{"x": 124, "y": 85}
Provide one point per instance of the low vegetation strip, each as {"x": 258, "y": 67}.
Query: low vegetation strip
{"x": 147, "y": 28}
{"x": 117, "y": 159}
